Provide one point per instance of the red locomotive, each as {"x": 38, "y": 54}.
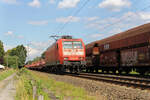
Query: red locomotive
{"x": 66, "y": 54}
{"x": 126, "y": 51}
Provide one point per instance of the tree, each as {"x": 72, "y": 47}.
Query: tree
{"x": 29, "y": 62}
{"x": 36, "y": 59}
{"x": 8, "y": 52}
{"x": 11, "y": 61}
{"x": 2, "y": 52}
{"x": 21, "y": 52}
{"x": 43, "y": 55}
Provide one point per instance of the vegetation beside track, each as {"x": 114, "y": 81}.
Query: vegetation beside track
{"x": 46, "y": 87}
{"x": 24, "y": 86}
{"x": 4, "y": 74}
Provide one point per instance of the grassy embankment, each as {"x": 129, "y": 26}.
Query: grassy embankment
{"x": 47, "y": 86}
{"x": 4, "y": 74}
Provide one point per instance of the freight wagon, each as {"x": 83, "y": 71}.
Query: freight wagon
{"x": 126, "y": 51}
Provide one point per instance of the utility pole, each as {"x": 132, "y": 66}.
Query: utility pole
{"x": 16, "y": 63}
{"x": 28, "y": 51}
{"x": 7, "y": 60}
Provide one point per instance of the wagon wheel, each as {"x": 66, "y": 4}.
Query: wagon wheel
{"x": 142, "y": 72}
{"x": 87, "y": 70}
{"x": 114, "y": 71}
{"x": 107, "y": 71}
{"x": 71, "y": 70}
{"x": 127, "y": 71}
{"x": 96, "y": 70}
{"x": 91, "y": 69}
{"x": 102, "y": 71}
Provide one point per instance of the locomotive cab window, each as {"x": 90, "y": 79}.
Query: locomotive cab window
{"x": 67, "y": 45}
{"x": 72, "y": 44}
{"x": 77, "y": 44}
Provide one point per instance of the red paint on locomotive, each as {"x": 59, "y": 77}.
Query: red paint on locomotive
{"x": 65, "y": 50}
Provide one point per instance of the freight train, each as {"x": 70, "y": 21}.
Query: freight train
{"x": 126, "y": 51}
{"x": 66, "y": 54}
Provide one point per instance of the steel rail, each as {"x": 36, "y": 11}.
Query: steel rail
{"x": 129, "y": 82}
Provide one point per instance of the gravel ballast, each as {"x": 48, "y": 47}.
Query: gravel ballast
{"x": 103, "y": 90}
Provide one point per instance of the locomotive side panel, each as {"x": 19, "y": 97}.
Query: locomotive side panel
{"x": 52, "y": 55}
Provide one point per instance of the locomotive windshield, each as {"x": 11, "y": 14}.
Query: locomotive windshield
{"x": 77, "y": 44}
{"x": 67, "y": 45}
{"x": 72, "y": 44}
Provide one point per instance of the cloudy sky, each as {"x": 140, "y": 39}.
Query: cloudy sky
{"x": 33, "y": 21}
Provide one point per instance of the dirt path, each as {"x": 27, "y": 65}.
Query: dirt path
{"x": 7, "y": 88}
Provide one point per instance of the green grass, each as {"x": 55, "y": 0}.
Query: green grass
{"x": 45, "y": 85}
{"x": 25, "y": 85}
{"x": 4, "y": 74}
{"x": 63, "y": 90}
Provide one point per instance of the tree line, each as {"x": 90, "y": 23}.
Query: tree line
{"x": 37, "y": 58}
{"x": 14, "y": 57}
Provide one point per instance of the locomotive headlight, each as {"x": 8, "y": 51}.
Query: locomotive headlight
{"x": 65, "y": 58}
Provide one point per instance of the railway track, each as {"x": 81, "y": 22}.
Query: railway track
{"x": 129, "y": 81}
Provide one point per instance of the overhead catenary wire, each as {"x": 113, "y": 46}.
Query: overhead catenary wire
{"x": 121, "y": 19}
{"x": 78, "y": 11}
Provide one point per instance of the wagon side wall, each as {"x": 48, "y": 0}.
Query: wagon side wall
{"x": 136, "y": 57}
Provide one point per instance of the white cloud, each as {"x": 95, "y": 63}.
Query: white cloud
{"x": 95, "y": 35}
{"x": 116, "y": 30}
{"x": 145, "y": 15}
{"x": 7, "y": 47}
{"x": 68, "y": 19}
{"x": 51, "y": 1}
{"x": 43, "y": 22}
{"x": 9, "y": 33}
{"x": 32, "y": 52}
{"x": 10, "y": 1}
{"x": 137, "y": 17}
{"x": 113, "y": 25}
{"x": 20, "y": 37}
{"x": 37, "y": 48}
{"x": 13, "y": 35}
{"x": 41, "y": 45}
{"x": 92, "y": 18}
{"x": 68, "y": 3}
{"x": 35, "y": 3}
{"x": 114, "y": 5}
